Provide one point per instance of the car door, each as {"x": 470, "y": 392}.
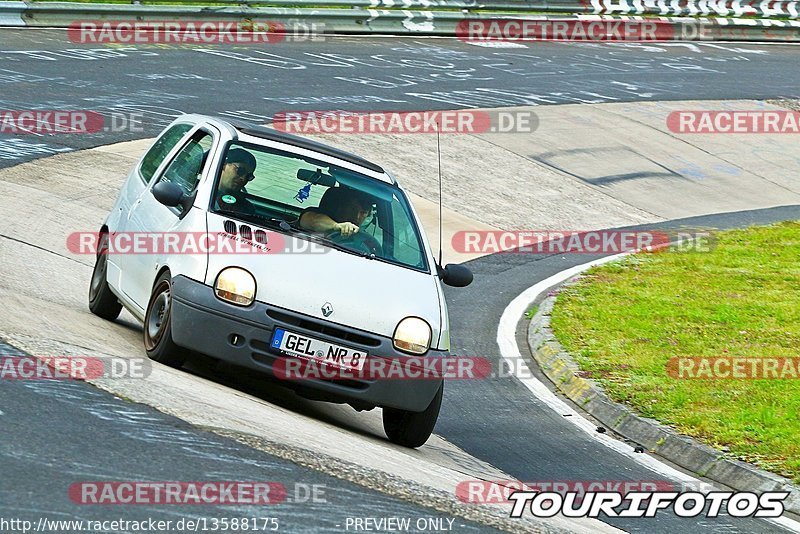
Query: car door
{"x": 150, "y": 222}
{"x": 136, "y": 184}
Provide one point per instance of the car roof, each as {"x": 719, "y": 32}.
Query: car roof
{"x": 271, "y": 134}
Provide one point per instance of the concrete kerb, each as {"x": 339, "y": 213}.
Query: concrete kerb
{"x": 702, "y": 460}
{"x": 377, "y": 21}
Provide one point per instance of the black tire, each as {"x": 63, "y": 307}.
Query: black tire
{"x": 102, "y": 302}
{"x": 158, "y": 326}
{"x": 412, "y": 429}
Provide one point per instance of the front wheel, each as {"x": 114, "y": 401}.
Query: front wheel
{"x": 102, "y": 301}
{"x": 412, "y": 429}
{"x": 158, "y": 326}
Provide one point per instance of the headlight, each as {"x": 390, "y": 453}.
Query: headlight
{"x": 412, "y": 335}
{"x": 235, "y": 285}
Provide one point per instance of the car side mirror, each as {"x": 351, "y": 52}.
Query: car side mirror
{"x": 455, "y": 275}
{"x": 168, "y": 194}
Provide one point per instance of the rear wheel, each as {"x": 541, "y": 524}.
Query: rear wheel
{"x": 158, "y": 326}
{"x": 102, "y": 302}
{"x": 412, "y": 429}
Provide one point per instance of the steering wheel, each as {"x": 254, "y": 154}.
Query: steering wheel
{"x": 359, "y": 241}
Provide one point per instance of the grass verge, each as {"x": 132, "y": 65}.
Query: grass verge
{"x": 624, "y": 321}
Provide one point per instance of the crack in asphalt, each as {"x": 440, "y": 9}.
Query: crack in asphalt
{"x": 27, "y": 243}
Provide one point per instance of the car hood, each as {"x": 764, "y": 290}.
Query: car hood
{"x": 365, "y": 294}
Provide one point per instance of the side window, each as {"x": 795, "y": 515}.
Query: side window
{"x": 160, "y": 149}
{"x": 187, "y": 166}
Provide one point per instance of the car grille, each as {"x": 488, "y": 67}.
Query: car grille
{"x": 259, "y": 236}
{"x": 324, "y": 329}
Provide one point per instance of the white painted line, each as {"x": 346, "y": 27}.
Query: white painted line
{"x": 496, "y": 44}
{"x": 506, "y": 340}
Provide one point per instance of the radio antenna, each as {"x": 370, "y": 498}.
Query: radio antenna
{"x": 439, "y": 168}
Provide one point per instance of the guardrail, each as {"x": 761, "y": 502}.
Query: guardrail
{"x": 788, "y": 9}
{"x": 440, "y": 17}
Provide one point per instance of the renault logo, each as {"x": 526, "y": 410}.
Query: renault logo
{"x": 327, "y": 309}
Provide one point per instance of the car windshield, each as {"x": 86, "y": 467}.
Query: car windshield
{"x": 272, "y": 188}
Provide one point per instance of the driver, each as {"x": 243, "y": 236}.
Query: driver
{"x": 341, "y": 209}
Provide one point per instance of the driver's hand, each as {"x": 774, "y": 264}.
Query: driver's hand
{"x": 346, "y": 228}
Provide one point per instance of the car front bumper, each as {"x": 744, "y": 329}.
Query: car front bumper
{"x": 242, "y": 336}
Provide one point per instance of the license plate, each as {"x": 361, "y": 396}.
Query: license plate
{"x": 314, "y": 349}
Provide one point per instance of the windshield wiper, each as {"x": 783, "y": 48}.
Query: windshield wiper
{"x": 272, "y": 222}
{"x": 333, "y": 244}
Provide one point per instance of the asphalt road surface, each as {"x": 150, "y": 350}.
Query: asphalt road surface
{"x": 60, "y": 433}
{"x": 145, "y": 86}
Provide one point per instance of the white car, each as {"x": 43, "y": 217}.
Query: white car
{"x": 324, "y": 289}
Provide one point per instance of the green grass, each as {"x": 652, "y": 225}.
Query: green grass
{"x": 624, "y": 321}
